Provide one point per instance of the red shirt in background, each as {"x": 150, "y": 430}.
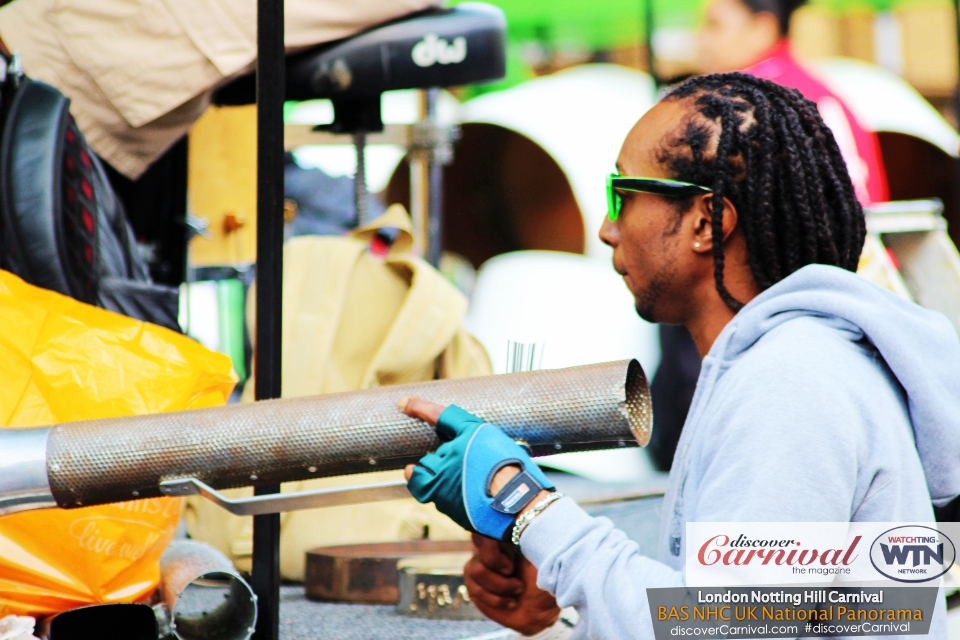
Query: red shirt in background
{"x": 859, "y": 147}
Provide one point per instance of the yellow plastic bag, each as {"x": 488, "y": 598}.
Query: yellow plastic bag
{"x": 61, "y": 360}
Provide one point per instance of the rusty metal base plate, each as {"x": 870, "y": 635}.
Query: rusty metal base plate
{"x": 366, "y": 572}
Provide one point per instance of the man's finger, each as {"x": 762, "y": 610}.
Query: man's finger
{"x": 483, "y": 598}
{"x": 408, "y": 472}
{"x": 491, "y": 581}
{"x": 424, "y": 410}
{"x": 488, "y": 551}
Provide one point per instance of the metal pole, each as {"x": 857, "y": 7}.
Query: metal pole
{"x": 419, "y": 184}
{"x": 434, "y": 232}
{"x": 360, "y": 178}
{"x": 271, "y": 87}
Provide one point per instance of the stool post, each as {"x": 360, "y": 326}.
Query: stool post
{"x": 360, "y": 178}
{"x": 420, "y": 181}
{"x": 271, "y": 89}
{"x": 434, "y": 232}
{"x": 431, "y": 149}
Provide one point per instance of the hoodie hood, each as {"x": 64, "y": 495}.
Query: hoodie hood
{"x": 920, "y": 347}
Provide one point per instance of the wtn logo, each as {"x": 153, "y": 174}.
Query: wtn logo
{"x": 899, "y": 554}
{"x": 912, "y": 553}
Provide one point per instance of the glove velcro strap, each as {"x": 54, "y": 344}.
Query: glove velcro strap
{"x": 517, "y": 494}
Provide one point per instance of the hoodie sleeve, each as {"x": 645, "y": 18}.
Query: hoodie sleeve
{"x": 588, "y": 564}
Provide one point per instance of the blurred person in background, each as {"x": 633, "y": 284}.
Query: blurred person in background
{"x": 752, "y": 36}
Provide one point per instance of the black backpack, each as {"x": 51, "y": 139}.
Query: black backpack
{"x": 62, "y": 227}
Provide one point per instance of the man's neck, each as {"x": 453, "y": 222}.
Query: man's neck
{"x": 707, "y": 324}
{"x": 710, "y": 314}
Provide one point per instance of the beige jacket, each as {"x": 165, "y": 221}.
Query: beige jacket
{"x": 140, "y": 72}
{"x": 366, "y": 322}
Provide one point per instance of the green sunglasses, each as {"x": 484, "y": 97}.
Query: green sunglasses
{"x": 659, "y": 186}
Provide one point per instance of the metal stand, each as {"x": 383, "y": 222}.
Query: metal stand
{"x": 271, "y": 88}
{"x": 430, "y": 147}
{"x": 430, "y": 150}
{"x": 360, "y": 178}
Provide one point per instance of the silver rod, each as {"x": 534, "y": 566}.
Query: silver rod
{"x": 280, "y": 502}
{"x": 360, "y": 178}
{"x": 434, "y": 218}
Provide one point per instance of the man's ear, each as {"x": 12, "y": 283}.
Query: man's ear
{"x": 702, "y": 221}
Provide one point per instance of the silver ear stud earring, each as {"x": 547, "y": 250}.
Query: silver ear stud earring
{"x": 696, "y": 245}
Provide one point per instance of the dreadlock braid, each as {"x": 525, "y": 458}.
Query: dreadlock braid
{"x": 766, "y": 149}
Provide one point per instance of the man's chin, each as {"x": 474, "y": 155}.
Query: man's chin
{"x": 647, "y": 313}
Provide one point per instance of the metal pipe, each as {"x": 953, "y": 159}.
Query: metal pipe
{"x": 204, "y": 597}
{"x": 23, "y": 470}
{"x": 435, "y": 163}
{"x": 271, "y": 89}
{"x": 100, "y": 461}
{"x": 420, "y": 182}
{"x": 360, "y": 178}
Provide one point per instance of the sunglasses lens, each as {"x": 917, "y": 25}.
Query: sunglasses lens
{"x": 613, "y": 203}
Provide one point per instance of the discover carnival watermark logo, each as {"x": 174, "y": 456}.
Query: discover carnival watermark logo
{"x": 435, "y": 50}
{"x": 727, "y": 554}
{"x": 912, "y": 553}
{"x": 743, "y": 551}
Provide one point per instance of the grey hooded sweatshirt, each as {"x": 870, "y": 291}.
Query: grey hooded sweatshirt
{"x": 825, "y": 399}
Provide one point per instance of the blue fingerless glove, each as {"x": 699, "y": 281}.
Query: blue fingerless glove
{"x": 457, "y": 477}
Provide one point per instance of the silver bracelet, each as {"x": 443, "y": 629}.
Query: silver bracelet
{"x": 524, "y": 520}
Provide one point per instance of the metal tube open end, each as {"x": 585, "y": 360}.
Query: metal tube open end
{"x": 24, "y": 482}
{"x": 204, "y": 597}
{"x": 638, "y": 407}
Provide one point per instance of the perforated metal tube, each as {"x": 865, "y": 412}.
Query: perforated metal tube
{"x": 581, "y": 408}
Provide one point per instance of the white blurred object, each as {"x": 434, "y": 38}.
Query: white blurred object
{"x": 397, "y": 107}
{"x": 336, "y": 160}
{"x": 581, "y": 311}
{"x": 577, "y": 306}
{"x": 675, "y": 44}
{"x": 17, "y": 628}
{"x": 883, "y": 101}
{"x": 888, "y": 42}
{"x": 580, "y": 117}
{"x": 200, "y": 313}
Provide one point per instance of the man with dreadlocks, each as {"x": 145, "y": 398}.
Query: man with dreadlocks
{"x": 821, "y": 398}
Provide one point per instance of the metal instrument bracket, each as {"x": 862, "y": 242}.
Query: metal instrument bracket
{"x": 280, "y": 502}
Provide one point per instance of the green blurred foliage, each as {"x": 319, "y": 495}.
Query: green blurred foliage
{"x": 598, "y": 25}
{"x": 606, "y": 24}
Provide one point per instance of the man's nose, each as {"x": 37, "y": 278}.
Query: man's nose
{"x": 610, "y": 232}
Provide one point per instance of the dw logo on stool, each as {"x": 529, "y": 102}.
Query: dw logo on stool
{"x": 433, "y": 50}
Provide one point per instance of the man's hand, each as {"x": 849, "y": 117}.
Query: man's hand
{"x": 457, "y": 476}
{"x": 502, "y": 585}
{"x": 430, "y": 412}
{"x": 507, "y": 593}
